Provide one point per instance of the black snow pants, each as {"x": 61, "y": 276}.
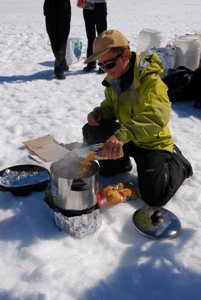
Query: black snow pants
{"x": 58, "y": 28}
{"x": 57, "y": 20}
{"x": 95, "y": 20}
{"x": 160, "y": 173}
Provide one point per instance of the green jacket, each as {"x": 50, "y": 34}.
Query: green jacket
{"x": 143, "y": 110}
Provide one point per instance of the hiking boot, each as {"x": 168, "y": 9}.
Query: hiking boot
{"x": 60, "y": 65}
{"x": 89, "y": 67}
{"x": 65, "y": 66}
{"x": 186, "y": 164}
{"x": 60, "y": 75}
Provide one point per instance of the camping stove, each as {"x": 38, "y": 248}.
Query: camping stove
{"x": 75, "y": 223}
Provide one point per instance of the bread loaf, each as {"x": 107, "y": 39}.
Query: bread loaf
{"x": 118, "y": 193}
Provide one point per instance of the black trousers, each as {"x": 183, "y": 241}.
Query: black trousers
{"x": 58, "y": 28}
{"x": 95, "y": 20}
{"x": 160, "y": 173}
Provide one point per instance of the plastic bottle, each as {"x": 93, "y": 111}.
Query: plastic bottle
{"x": 96, "y": 152}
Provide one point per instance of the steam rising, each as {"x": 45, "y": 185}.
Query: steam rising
{"x": 70, "y": 165}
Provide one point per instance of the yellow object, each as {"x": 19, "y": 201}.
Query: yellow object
{"x": 118, "y": 193}
{"x": 83, "y": 170}
{"x": 107, "y": 188}
{"x": 114, "y": 197}
{"x": 94, "y": 154}
{"x": 128, "y": 192}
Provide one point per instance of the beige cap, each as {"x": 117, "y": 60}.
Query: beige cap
{"x": 105, "y": 41}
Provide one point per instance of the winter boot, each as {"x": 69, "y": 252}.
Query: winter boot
{"x": 187, "y": 166}
{"x": 91, "y": 66}
{"x": 65, "y": 66}
{"x": 60, "y": 65}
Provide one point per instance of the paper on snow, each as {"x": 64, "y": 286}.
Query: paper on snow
{"x": 46, "y": 148}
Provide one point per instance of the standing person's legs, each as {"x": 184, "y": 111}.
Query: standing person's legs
{"x": 100, "y": 14}
{"x": 51, "y": 28}
{"x": 63, "y": 30}
{"x": 91, "y": 34}
{"x": 160, "y": 174}
{"x": 58, "y": 28}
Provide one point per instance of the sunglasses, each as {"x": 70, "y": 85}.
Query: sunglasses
{"x": 110, "y": 63}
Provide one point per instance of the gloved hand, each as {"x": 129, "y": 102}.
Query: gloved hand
{"x": 94, "y": 118}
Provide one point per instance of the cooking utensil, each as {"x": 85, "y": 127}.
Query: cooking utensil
{"x": 33, "y": 158}
{"x": 70, "y": 192}
{"x": 156, "y": 222}
{"x": 21, "y": 180}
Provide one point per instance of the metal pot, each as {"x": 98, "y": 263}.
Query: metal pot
{"x": 70, "y": 192}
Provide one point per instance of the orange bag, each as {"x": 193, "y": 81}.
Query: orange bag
{"x": 118, "y": 193}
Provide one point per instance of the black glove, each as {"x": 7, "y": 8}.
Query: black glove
{"x": 99, "y": 134}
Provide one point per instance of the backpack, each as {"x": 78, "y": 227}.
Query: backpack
{"x": 196, "y": 87}
{"x": 184, "y": 84}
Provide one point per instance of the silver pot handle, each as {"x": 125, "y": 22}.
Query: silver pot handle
{"x": 78, "y": 185}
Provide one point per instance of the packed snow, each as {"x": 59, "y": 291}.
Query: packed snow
{"x": 38, "y": 261}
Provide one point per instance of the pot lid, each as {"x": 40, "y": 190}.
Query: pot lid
{"x": 156, "y": 222}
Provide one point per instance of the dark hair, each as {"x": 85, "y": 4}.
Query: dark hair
{"x": 119, "y": 50}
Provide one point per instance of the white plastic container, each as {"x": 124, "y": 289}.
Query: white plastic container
{"x": 147, "y": 39}
{"x": 187, "y": 51}
{"x": 73, "y": 50}
{"x": 198, "y": 33}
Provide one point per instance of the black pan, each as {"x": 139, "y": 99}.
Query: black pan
{"x": 21, "y": 180}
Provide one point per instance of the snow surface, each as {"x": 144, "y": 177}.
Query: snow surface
{"x": 37, "y": 260}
